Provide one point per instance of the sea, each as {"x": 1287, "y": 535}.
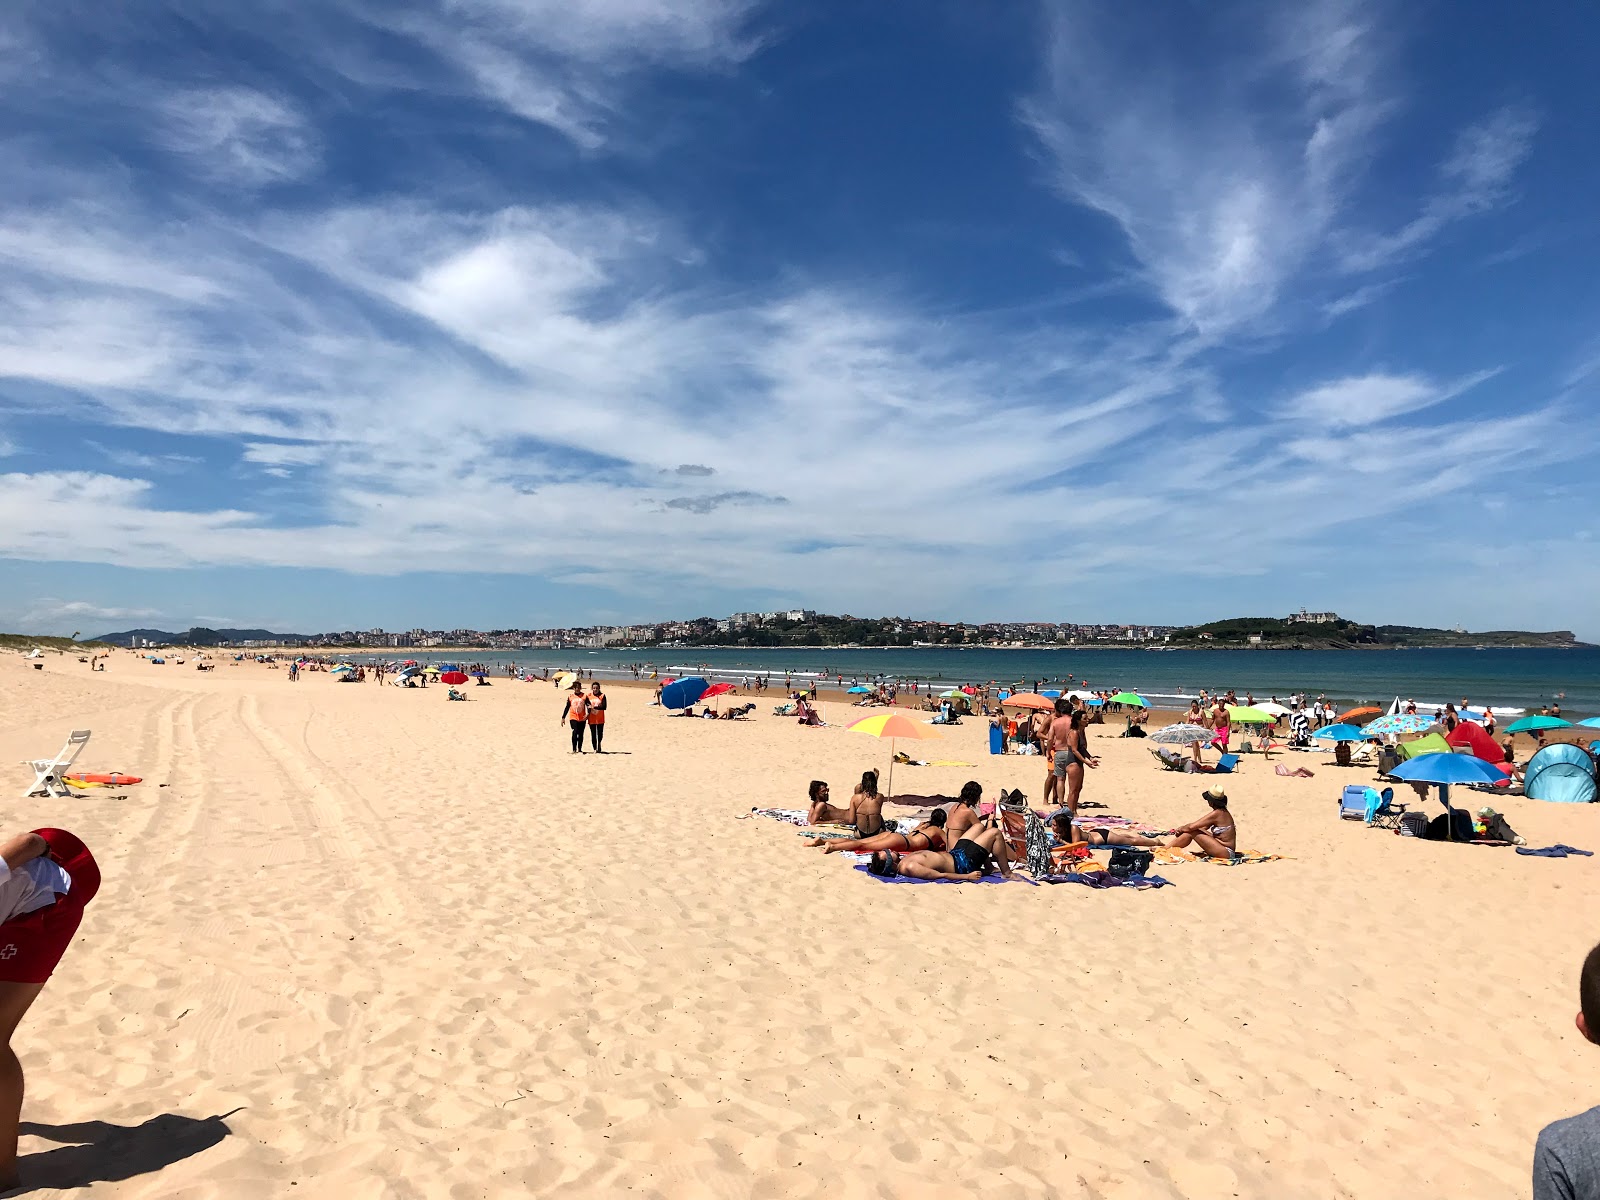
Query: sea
{"x": 1507, "y": 679}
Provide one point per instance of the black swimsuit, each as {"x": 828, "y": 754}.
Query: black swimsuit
{"x": 968, "y": 857}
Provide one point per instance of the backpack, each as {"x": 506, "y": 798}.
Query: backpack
{"x": 1129, "y": 860}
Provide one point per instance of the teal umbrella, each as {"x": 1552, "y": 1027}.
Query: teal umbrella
{"x": 1529, "y": 724}
{"x": 1341, "y": 733}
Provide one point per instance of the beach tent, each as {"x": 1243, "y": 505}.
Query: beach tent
{"x": 1562, "y": 773}
{"x": 1476, "y": 739}
{"x": 1432, "y": 744}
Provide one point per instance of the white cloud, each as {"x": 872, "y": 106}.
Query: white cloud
{"x": 50, "y": 613}
{"x": 1233, "y": 171}
{"x": 239, "y": 135}
{"x": 1370, "y": 399}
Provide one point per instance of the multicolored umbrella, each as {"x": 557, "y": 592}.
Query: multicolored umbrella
{"x": 892, "y": 725}
{"x": 1399, "y": 723}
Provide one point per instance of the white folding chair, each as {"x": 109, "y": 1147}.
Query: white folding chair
{"x": 47, "y": 772}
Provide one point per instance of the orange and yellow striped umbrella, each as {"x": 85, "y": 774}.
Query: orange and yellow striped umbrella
{"x": 892, "y": 725}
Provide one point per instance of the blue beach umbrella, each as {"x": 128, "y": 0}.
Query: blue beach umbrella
{"x": 857, "y": 690}
{"x": 1342, "y": 733}
{"x": 1051, "y": 693}
{"x": 683, "y": 692}
{"x": 1445, "y": 769}
{"x": 1591, "y": 722}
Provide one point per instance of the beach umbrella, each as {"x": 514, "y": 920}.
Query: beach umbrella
{"x": 1029, "y": 700}
{"x": 564, "y": 679}
{"x": 1052, "y": 693}
{"x": 479, "y": 674}
{"x": 1354, "y": 715}
{"x": 894, "y": 726}
{"x": 970, "y": 690}
{"x": 1445, "y": 769}
{"x": 1398, "y": 723}
{"x": 683, "y": 692}
{"x": 1530, "y": 724}
{"x": 1241, "y": 715}
{"x": 1591, "y": 722}
{"x": 453, "y": 677}
{"x": 951, "y": 694}
{"x": 716, "y": 689}
{"x": 1340, "y": 733}
{"x": 1129, "y": 698}
{"x": 340, "y": 670}
{"x": 1183, "y": 734}
{"x": 856, "y": 691}
{"x": 1276, "y": 710}
{"x": 431, "y": 671}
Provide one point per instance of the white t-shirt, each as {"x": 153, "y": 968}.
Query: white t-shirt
{"x": 30, "y": 887}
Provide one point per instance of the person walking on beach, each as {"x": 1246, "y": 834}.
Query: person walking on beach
{"x": 576, "y": 713}
{"x": 46, "y": 879}
{"x": 597, "y": 716}
{"x": 1566, "y": 1158}
{"x": 294, "y": 671}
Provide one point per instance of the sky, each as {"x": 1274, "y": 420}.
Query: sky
{"x": 333, "y": 314}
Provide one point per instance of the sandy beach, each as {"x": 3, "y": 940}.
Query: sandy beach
{"x": 354, "y": 941}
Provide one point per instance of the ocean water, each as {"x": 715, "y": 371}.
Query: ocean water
{"x": 1509, "y": 678}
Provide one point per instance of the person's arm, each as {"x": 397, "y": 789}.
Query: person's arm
{"x": 23, "y": 848}
{"x": 566, "y": 708}
{"x": 1550, "y": 1178}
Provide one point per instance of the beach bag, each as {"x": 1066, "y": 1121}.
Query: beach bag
{"x": 1129, "y": 860}
{"x": 1413, "y": 824}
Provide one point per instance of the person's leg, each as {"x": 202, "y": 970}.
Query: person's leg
{"x": 1074, "y": 786}
{"x": 577, "y": 736}
{"x": 597, "y": 733}
{"x": 14, "y": 1001}
{"x": 1210, "y": 845}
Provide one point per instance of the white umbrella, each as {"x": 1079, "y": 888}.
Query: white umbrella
{"x": 1180, "y": 735}
{"x": 1276, "y": 710}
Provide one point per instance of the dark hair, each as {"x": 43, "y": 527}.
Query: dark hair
{"x": 1589, "y": 992}
{"x": 1063, "y": 706}
{"x": 816, "y": 786}
{"x": 1060, "y": 819}
{"x": 1080, "y": 718}
{"x": 971, "y": 792}
{"x": 937, "y": 817}
{"x": 883, "y": 863}
{"x": 869, "y": 783}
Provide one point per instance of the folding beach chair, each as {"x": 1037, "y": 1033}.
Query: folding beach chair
{"x": 47, "y": 772}
{"x": 1027, "y": 839}
{"x": 1170, "y": 758}
{"x": 1227, "y": 764}
{"x": 1353, "y": 803}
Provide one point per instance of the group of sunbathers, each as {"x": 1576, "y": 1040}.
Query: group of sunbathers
{"x": 953, "y": 843}
{"x": 957, "y": 842}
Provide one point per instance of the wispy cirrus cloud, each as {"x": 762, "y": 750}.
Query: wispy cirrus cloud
{"x": 238, "y": 135}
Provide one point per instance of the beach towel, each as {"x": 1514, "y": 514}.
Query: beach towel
{"x": 1556, "y": 851}
{"x": 791, "y": 816}
{"x": 1102, "y": 878}
{"x": 1294, "y": 772}
{"x": 965, "y": 882}
{"x": 1171, "y": 856}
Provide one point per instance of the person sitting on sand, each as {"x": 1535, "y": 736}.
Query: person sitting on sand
{"x": 46, "y": 879}
{"x": 969, "y": 860}
{"x": 927, "y": 836}
{"x": 963, "y": 813}
{"x": 867, "y": 805}
{"x": 1214, "y": 835}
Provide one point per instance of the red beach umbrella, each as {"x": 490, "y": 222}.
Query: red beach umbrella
{"x": 453, "y": 677}
{"x": 716, "y": 689}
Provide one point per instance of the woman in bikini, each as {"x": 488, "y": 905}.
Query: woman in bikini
{"x": 1070, "y": 742}
{"x": 927, "y": 836}
{"x": 1214, "y": 835}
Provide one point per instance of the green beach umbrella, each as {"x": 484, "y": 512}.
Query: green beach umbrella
{"x": 1529, "y": 724}
{"x": 1129, "y": 698}
{"x": 1240, "y": 715}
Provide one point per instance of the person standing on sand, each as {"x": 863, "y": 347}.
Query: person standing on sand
{"x": 1566, "y": 1158}
{"x": 597, "y": 716}
{"x": 576, "y": 713}
{"x": 1062, "y": 714}
{"x": 1070, "y": 744}
{"x": 46, "y": 879}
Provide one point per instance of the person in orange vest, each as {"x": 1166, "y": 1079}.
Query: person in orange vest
{"x": 576, "y": 713}
{"x": 597, "y": 716}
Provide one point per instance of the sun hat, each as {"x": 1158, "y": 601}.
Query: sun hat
{"x": 1215, "y": 793}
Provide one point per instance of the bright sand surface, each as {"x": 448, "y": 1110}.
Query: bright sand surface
{"x": 415, "y": 948}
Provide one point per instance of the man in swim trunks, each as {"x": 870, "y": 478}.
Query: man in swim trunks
{"x": 967, "y": 861}
{"x": 46, "y": 879}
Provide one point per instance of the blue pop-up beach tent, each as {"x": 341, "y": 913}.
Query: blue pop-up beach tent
{"x": 1561, "y": 772}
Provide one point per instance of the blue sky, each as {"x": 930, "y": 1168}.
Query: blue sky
{"x": 516, "y": 312}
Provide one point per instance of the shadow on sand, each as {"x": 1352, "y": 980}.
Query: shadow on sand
{"x": 100, "y": 1152}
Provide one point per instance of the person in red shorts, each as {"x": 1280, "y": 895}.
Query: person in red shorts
{"x": 46, "y": 879}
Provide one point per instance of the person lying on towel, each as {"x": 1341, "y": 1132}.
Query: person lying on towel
{"x": 983, "y": 850}
{"x": 927, "y": 836}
